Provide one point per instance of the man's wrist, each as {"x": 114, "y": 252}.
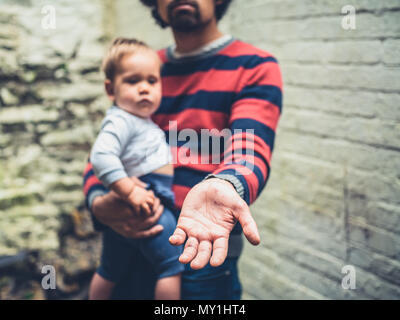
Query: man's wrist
{"x": 235, "y": 182}
{"x": 93, "y": 196}
{"x": 97, "y": 201}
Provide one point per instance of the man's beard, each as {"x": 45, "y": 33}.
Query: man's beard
{"x": 184, "y": 21}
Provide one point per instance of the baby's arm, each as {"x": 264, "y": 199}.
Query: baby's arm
{"x": 105, "y": 156}
{"x": 140, "y": 199}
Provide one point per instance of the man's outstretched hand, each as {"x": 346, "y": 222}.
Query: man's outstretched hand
{"x": 208, "y": 215}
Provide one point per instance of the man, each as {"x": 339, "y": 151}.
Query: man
{"x": 210, "y": 81}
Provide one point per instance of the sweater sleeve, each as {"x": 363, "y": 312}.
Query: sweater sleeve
{"x": 107, "y": 149}
{"x": 92, "y": 185}
{"x": 253, "y": 121}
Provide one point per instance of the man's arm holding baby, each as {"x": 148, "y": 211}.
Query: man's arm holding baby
{"x": 123, "y": 219}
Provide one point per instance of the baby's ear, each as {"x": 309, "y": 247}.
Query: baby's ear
{"x": 108, "y": 85}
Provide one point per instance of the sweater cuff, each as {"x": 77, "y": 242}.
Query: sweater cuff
{"x": 92, "y": 195}
{"x": 230, "y": 178}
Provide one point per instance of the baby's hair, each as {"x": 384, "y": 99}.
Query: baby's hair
{"x": 118, "y": 49}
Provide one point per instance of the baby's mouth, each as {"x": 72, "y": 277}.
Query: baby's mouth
{"x": 145, "y": 102}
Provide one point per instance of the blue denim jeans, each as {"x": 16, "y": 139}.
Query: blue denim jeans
{"x": 212, "y": 283}
{"x": 118, "y": 251}
{"x": 221, "y": 283}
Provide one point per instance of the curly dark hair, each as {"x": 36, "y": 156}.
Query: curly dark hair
{"x": 220, "y": 10}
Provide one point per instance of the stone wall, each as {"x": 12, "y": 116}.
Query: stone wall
{"x": 333, "y": 195}
{"x": 51, "y": 102}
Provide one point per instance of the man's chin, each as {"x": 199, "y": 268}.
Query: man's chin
{"x": 184, "y": 26}
{"x": 185, "y": 23}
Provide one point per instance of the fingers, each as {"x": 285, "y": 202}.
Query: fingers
{"x": 136, "y": 209}
{"x": 200, "y": 254}
{"x": 150, "y": 201}
{"x": 156, "y": 205}
{"x": 203, "y": 255}
{"x": 143, "y": 223}
{"x": 157, "y": 213}
{"x": 190, "y": 250}
{"x": 152, "y": 219}
{"x": 178, "y": 237}
{"x": 128, "y": 232}
{"x": 248, "y": 224}
{"x": 220, "y": 251}
{"x": 150, "y": 232}
{"x": 145, "y": 208}
{"x": 150, "y": 195}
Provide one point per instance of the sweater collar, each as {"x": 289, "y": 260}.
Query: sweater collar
{"x": 205, "y": 51}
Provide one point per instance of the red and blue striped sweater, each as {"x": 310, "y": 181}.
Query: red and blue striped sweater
{"x": 234, "y": 86}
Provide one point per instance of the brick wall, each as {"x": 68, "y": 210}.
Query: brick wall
{"x": 333, "y": 198}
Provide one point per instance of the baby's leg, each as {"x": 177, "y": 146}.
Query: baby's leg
{"x": 100, "y": 288}
{"x": 164, "y": 258}
{"x": 168, "y": 288}
{"x": 115, "y": 255}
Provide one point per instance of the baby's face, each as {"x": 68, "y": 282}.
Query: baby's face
{"x": 137, "y": 84}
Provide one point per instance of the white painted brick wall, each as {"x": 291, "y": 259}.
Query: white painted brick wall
{"x": 333, "y": 198}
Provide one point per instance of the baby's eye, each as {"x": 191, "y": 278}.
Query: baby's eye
{"x": 153, "y": 80}
{"x": 132, "y": 80}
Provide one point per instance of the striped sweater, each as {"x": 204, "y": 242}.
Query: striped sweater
{"x": 233, "y": 86}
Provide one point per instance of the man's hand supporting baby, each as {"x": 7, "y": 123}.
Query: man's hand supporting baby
{"x": 124, "y": 220}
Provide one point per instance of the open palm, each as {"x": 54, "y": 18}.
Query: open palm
{"x": 209, "y": 213}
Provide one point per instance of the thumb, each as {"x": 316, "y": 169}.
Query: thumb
{"x": 248, "y": 224}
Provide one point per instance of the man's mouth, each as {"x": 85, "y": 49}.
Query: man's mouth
{"x": 182, "y": 6}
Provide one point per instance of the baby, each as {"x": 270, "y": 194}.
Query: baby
{"x": 130, "y": 144}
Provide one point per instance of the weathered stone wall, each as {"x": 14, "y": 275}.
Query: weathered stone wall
{"x": 51, "y": 102}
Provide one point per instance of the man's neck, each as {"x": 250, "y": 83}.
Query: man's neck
{"x": 190, "y": 41}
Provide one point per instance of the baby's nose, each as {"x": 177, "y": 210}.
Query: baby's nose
{"x": 143, "y": 88}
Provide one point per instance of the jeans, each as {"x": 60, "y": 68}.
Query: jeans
{"x": 212, "y": 283}
{"x": 163, "y": 257}
{"x": 209, "y": 283}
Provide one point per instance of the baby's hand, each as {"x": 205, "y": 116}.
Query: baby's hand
{"x": 141, "y": 200}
